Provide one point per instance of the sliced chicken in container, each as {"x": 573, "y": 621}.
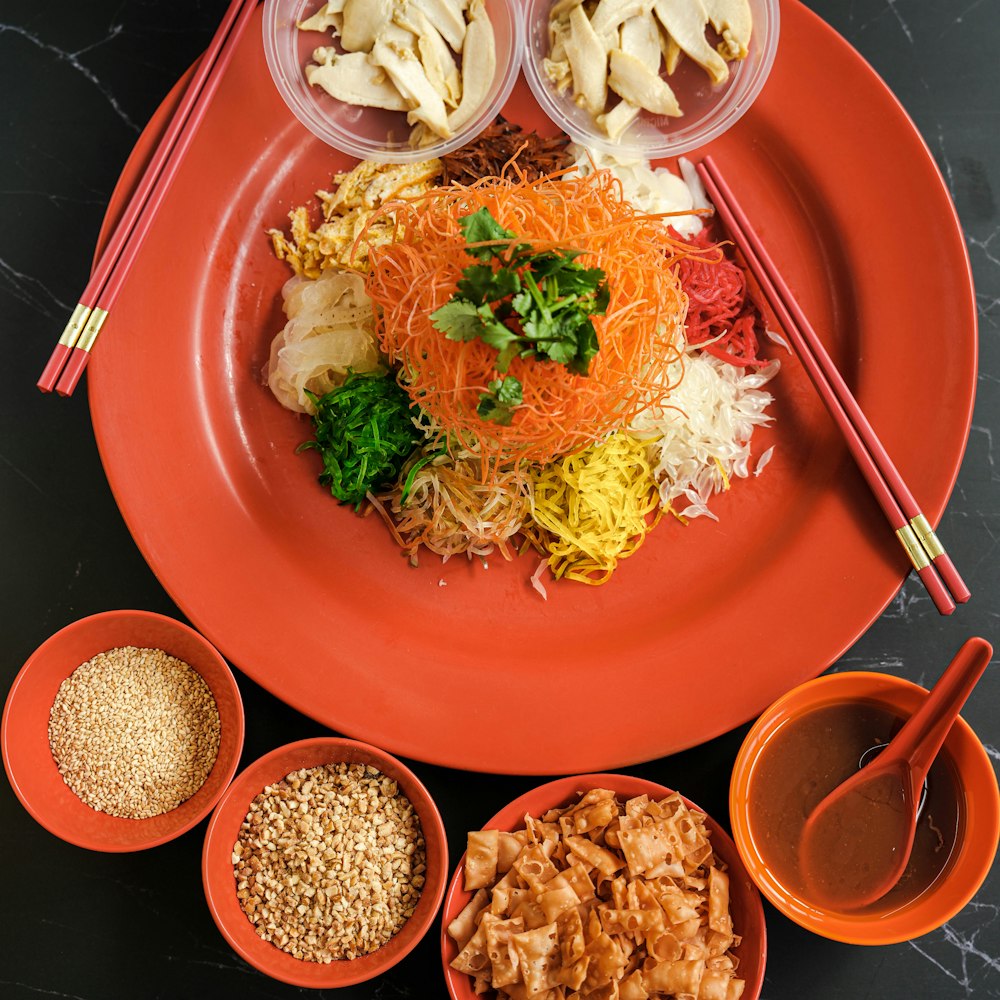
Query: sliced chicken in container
{"x": 330, "y": 15}
{"x": 364, "y": 21}
{"x": 733, "y": 21}
{"x": 640, "y": 38}
{"x": 610, "y": 15}
{"x": 351, "y": 78}
{"x": 403, "y": 55}
{"x": 672, "y": 53}
{"x": 407, "y": 73}
{"x": 448, "y": 16}
{"x": 435, "y": 55}
{"x": 588, "y": 62}
{"x": 634, "y": 82}
{"x": 479, "y": 65}
{"x": 628, "y": 47}
{"x": 685, "y": 22}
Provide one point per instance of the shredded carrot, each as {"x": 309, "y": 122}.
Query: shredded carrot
{"x": 562, "y": 412}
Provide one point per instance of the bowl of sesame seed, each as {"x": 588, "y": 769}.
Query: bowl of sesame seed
{"x": 122, "y": 731}
{"x": 325, "y": 863}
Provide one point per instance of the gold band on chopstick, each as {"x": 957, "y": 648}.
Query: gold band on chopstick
{"x": 76, "y": 323}
{"x": 92, "y": 329}
{"x": 925, "y": 533}
{"x": 908, "y": 539}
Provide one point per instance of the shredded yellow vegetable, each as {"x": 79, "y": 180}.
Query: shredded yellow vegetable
{"x": 596, "y": 507}
{"x": 722, "y": 472}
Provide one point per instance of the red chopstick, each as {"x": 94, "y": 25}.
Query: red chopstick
{"x": 70, "y": 356}
{"x": 922, "y": 546}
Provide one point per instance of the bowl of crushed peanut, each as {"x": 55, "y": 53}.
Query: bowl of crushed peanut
{"x": 325, "y": 863}
{"x": 122, "y": 731}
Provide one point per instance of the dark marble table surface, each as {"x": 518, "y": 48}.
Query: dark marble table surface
{"x": 78, "y": 82}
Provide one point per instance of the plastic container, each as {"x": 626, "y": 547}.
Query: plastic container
{"x": 708, "y": 110}
{"x": 979, "y": 805}
{"x": 374, "y": 133}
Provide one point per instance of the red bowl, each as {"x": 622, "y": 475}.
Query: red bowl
{"x": 745, "y": 904}
{"x": 220, "y": 886}
{"x": 24, "y": 732}
{"x": 979, "y": 798}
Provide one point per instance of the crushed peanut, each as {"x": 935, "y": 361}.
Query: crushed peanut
{"x": 330, "y": 862}
{"x": 134, "y": 732}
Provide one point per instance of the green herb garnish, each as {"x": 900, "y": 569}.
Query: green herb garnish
{"x": 364, "y": 432}
{"x": 498, "y": 402}
{"x": 525, "y": 303}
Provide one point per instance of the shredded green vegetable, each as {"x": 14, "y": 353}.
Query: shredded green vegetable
{"x": 364, "y": 432}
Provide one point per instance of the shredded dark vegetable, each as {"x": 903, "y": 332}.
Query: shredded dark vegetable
{"x": 364, "y": 433}
{"x": 491, "y": 150}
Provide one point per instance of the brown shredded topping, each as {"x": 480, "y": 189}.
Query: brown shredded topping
{"x": 501, "y": 142}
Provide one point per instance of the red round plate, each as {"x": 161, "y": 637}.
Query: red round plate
{"x": 467, "y": 666}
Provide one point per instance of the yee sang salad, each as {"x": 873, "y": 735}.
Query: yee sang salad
{"x": 522, "y": 347}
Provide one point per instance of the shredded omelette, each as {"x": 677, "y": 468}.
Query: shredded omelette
{"x": 595, "y": 507}
{"x": 346, "y": 211}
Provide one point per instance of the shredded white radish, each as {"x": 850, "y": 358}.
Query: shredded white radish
{"x": 647, "y": 189}
{"x": 700, "y": 439}
{"x": 763, "y": 460}
{"x": 778, "y": 339}
{"x": 698, "y": 194}
{"x": 536, "y": 579}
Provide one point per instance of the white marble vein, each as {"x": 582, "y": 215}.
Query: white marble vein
{"x": 54, "y": 198}
{"x": 959, "y": 18}
{"x": 986, "y": 246}
{"x": 22, "y": 474}
{"x": 247, "y": 970}
{"x": 909, "y": 602}
{"x": 386, "y": 989}
{"x": 40, "y": 990}
{"x": 987, "y": 433}
{"x": 890, "y": 6}
{"x": 32, "y": 292}
{"x": 949, "y": 174}
{"x": 857, "y": 661}
{"x": 73, "y": 59}
{"x": 964, "y": 961}
{"x": 899, "y": 17}
{"x": 987, "y": 306}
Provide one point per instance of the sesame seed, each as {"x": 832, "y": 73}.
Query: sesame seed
{"x": 134, "y": 732}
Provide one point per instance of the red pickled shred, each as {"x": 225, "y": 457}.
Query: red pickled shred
{"x": 720, "y": 308}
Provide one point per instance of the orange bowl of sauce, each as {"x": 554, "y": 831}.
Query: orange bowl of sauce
{"x": 808, "y": 742}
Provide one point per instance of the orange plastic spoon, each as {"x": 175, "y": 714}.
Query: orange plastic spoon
{"x": 856, "y": 843}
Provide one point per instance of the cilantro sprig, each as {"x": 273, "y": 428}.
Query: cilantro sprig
{"x": 525, "y": 303}
{"x": 500, "y": 399}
